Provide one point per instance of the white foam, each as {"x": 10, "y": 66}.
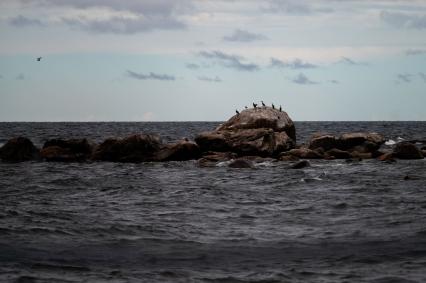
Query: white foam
{"x": 390, "y": 142}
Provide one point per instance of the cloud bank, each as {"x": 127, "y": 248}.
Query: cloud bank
{"x": 150, "y": 76}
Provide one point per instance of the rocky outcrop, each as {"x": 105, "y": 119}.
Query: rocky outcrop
{"x": 180, "y": 151}
{"x": 241, "y": 163}
{"x": 67, "y": 150}
{"x": 136, "y": 148}
{"x": 324, "y": 141}
{"x": 407, "y": 150}
{"x": 18, "y": 149}
{"x": 303, "y": 153}
{"x": 338, "y": 154}
{"x": 261, "y": 131}
{"x": 211, "y": 158}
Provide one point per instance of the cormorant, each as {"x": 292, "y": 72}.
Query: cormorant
{"x": 39, "y": 58}
{"x": 281, "y": 109}
{"x": 236, "y": 111}
{"x": 245, "y": 107}
{"x": 263, "y": 104}
{"x": 273, "y": 107}
{"x": 254, "y": 105}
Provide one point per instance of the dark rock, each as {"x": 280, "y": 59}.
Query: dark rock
{"x": 136, "y": 148}
{"x": 324, "y": 141}
{"x": 210, "y": 159}
{"x": 338, "y": 154}
{"x": 288, "y": 158}
{"x": 180, "y": 151}
{"x": 259, "y": 141}
{"x": 66, "y": 150}
{"x": 257, "y": 118}
{"x": 371, "y": 141}
{"x": 362, "y": 155}
{"x": 386, "y": 157}
{"x": 406, "y": 150}
{"x": 241, "y": 163}
{"x": 301, "y": 164}
{"x": 18, "y": 149}
{"x": 303, "y": 153}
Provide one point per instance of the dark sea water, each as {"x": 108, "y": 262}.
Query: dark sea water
{"x": 335, "y": 221}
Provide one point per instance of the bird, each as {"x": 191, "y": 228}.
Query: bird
{"x": 39, "y": 58}
{"x": 254, "y": 105}
{"x": 236, "y": 111}
{"x": 273, "y": 106}
{"x": 263, "y": 104}
{"x": 281, "y": 109}
{"x": 245, "y": 107}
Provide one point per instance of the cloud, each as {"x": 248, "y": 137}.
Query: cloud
{"x": 192, "y": 66}
{"x": 349, "y": 61}
{"x": 208, "y": 79}
{"x": 244, "y": 36}
{"x": 295, "y": 7}
{"x": 20, "y": 77}
{"x": 21, "y": 21}
{"x": 301, "y": 79}
{"x": 422, "y": 76}
{"x": 334, "y": 82}
{"x": 123, "y": 25}
{"x": 124, "y": 16}
{"x": 295, "y": 64}
{"x": 414, "y": 52}
{"x": 406, "y": 77}
{"x": 404, "y": 20}
{"x": 229, "y": 61}
{"x": 150, "y": 76}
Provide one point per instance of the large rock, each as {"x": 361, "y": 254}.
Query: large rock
{"x": 304, "y": 153}
{"x": 180, "y": 151}
{"x": 66, "y": 150}
{"x": 261, "y": 131}
{"x": 324, "y": 141}
{"x": 18, "y": 149}
{"x": 407, "y": 150}
{"x": 338, "y": 154}
{"x": 261, "y": 117}
{"x": 136, "y": 148}
{"x": 361, "y": 142}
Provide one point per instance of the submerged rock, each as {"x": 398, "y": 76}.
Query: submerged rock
{"x": 261, "y": 131}
{"x": 135, "y": 148}
{"x": 407, "y": 150}
{"x": 18, "y": 149}
{"x": 210, "y": 159}
{"x": 301, "y": 164}
{"x": 241, "y": 163}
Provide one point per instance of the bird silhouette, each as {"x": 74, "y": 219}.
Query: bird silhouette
{"x": 245, "y": 107}
{"x": 254, "y": 105}
{"x": 263, "y": 104}
{"x": 273, "y": 106}
{"x": 39, "y": 58}
{"x": 236, "y": 111}
{"x": 281, "y": 109}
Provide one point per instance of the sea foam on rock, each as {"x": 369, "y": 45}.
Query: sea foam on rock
{"x": 257, "y": 131}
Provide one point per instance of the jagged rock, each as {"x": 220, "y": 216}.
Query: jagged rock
{"x": 66, "y": 150}
{"x": 261, "y": 117}
{"x": 301, "y": 164}
{"x": 241, "y": 163}
{"x": 288, "y": 158}
{"x": 18, "y": 149}
{"x": 338, "y": 154}
{"x": 407, "y": 150}
{"x": 210, "y": 159}
{"x": 324, "y": 141}
{"x": 386, "y": 157}
{"x": 180, "y": 151}
{"x": 304, "y": 153}
{"x": 136, "y": 148}
{"x": 260, "y": 141}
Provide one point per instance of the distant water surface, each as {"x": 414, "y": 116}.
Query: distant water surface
{"x": 335, "y": 221}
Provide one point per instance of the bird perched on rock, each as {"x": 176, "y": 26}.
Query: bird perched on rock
{"x": 273, "y": 106}
{"x": 281, "y": 109}
{"x": 236, "y": 111}
{"x": 263, "y": 104}
{"x": 245, "y": 107}
{"x": 254, "y": 105}
{"x": 39, "y": 58}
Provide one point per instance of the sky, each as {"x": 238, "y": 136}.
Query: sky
{"x": 200, "y": 60}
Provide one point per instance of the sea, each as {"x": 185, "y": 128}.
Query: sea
{"x": 335, "y": 221}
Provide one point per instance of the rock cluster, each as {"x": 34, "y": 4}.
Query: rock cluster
{"x": 255, "y": 135}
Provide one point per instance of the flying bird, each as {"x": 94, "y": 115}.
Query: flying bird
{"x": 39, "y": 58}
